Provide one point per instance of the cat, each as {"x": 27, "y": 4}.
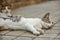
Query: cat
{"x": 5, "y": 11}
{"x": 33, "y": 25}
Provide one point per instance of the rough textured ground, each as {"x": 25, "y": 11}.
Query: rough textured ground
{"x": 37, "y": 10}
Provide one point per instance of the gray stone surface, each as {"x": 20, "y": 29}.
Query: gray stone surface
{"x": 43, "y": 38}
{"x": 15, "y": 33}
{"x": 48, "y": 35}
{"x": 52, "y": 31}
{"x": 58, "y": 37}
{"x": 23, "y": 38}
{"x": 3, "y": 32}
{"x": 28, "y": 34}
{"x": 7, "y": 37}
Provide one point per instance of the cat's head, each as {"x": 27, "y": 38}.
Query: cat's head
{"x": 6, "y": 10}
{"x": 47, "y": 21}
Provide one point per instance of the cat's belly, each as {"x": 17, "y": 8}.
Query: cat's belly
{"x": 14, "y": 25}
{"x": 17, "y": 26}
{"x": 32, "y": 21}
{"x": 21, "y": 24}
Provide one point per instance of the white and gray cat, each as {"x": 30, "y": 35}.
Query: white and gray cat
{"x": 33, "y": 25}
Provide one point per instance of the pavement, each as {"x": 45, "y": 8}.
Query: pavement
{"x": 36, "y": 10}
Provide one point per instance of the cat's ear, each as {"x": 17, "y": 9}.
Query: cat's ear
{"x": 46, "y": 15}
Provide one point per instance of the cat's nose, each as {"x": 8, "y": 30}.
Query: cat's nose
{"x": 6, "y": 12}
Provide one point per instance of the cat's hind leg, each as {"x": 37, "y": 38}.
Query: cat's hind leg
{"x": 32, "y": 29}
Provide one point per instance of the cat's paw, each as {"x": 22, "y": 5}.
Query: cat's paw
{"x": 42, "y": 31}
{"x": 36, "y": 33}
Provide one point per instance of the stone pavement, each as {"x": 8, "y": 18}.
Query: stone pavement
{"x": 37, "y": 10}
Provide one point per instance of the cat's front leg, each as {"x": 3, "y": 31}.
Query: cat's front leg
{"x": 41, "y": 30}
{"x": 32, "y": 29}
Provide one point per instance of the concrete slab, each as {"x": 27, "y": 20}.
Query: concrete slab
{"x": 28, "y": 34}
{"x": 15, "y": 33}
{"x": 23, "y": 38}
{"x": 7, "y": 37}
{"x": 48, "y": 35}
{"x": 52, "y": 32}
{"x": 3, "y": 32}
{"x": 45, "y": 38}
